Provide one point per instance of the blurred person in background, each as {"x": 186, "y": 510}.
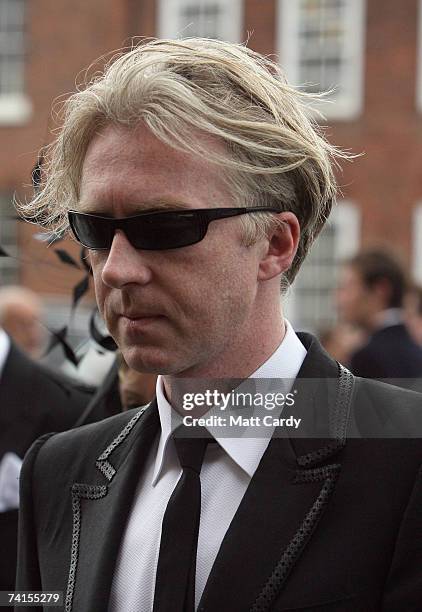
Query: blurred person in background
{"x": 341, "y": 341}
{"x": 20, "y": 317}
{"x": 370, "y": 296}
{"x": 122, "y": 389}
{"x": 136, "y": 388}
{"x": 413, "y": 312}
{"x": 33, "y": 401}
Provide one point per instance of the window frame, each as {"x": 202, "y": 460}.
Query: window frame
{"x": 346, "y": 219}
{"x": 11, "y": 246}
{"x": 168, "y": 12}
{"x": 348, "y": 105}
{"x": 15, "y": 106}
{"x": 419, "y": 59}
{"x": 417, "y": 243}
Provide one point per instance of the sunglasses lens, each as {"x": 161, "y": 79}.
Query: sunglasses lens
{"x": 155, "y": 231}
{"x": 169, "y": 230}
{"x": 92, "y": 231}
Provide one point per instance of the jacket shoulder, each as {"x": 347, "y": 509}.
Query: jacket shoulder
{"x": 378, "y": 390}
{"x": 385, "y": 410}
{"x": 29, "y": 387}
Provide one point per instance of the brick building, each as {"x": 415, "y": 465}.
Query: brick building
{"x": 370, "y": 51}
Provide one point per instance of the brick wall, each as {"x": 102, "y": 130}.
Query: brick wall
{"x": 386, "y": 182}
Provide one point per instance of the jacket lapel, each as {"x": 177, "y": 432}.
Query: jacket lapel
{"x": 287, "y": 495}
{"x": 100, "y": 513}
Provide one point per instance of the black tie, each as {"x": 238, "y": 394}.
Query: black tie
{"x": 176, "y": 570}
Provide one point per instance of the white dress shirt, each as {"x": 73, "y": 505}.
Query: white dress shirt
{"x": 226, "y": 472}
{"x": 4, "y": 349}
{"x": 10, "y": 467}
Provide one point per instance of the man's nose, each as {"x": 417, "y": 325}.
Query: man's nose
{"x": 125, "y": 264}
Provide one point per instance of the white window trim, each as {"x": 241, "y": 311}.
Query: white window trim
{"x": 168, "y": 19}
{"x": 347, "y": 107}
{"x": 417, "y": 243}
{"x": 9, "y": 266}
{"x": 15, "y": 109}
{"x": 346, "y": 217}
{"x": 419, "y": 60}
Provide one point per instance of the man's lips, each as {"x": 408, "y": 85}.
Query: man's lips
{"x": 139, "y": 317}
{"x": 140, "y": 313}
{"x": 138, "y": 321}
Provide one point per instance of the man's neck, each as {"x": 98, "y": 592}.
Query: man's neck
{"x": 225, "y": 373}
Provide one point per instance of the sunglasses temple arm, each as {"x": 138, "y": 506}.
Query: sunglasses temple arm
{"x": 212, "y": 215}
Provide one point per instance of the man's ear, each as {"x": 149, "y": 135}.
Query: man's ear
{"x": 281, "y": 247}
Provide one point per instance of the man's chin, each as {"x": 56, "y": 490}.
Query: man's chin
{"x": 151, "y": 361}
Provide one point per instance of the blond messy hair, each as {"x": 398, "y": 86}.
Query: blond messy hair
{"x": 275, "y": 155}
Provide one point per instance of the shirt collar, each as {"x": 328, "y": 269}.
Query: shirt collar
{"x": 4, "y": 349}
{"x": 389, "y": 317}
{"x": 247, "y": 450}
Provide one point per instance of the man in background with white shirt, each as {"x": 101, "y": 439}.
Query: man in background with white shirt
{"x": 191, "y": 172}
{"x": 370, "y": 296}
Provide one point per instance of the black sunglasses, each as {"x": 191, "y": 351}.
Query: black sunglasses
{"x": 152, "y": 231}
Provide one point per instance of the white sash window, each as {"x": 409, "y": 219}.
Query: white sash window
{"x": 8, "y": 241}
{"x": 321, "y": 47}
{"x": 208, "y": 18}
{"x": 310, "y": 301}
{"x": 14, "y": 105}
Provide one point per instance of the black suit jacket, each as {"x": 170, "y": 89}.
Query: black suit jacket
{"x": 390, "y": 353}
{"x": 33, "y": 401}
{"x": 327, "y": 524}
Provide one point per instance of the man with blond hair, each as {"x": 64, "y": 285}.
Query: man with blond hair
{"x": 191, "y": 172}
